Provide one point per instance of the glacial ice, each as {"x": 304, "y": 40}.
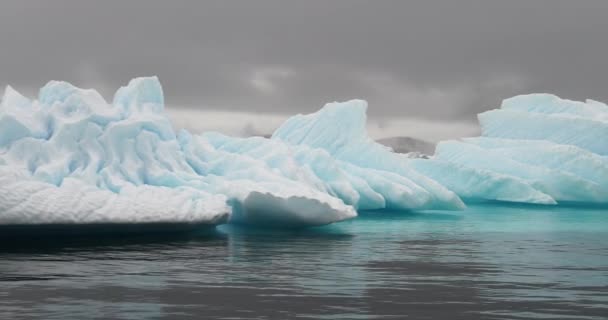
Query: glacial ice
{"x": 70, "y": 157}
{"x": 551, "y": 150}
{"x": 24, "y": 200}
{"x": 473, "y": 184}
{"x": 340, "y": 129}
{"x": 548, "y": 117}
{"x": 560, "y": 185}
{"x": 363, "y": 188}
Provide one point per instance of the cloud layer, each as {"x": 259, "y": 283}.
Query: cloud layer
{"x": 434, "y": 62}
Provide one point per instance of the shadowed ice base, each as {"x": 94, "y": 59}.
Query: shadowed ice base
{"x": 108, "y": 230}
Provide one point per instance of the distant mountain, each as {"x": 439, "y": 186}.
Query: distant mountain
{"x": 408, "y": 144}
{"x": 398, "y": 144}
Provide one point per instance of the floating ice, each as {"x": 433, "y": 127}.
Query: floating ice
{"x": 70, "y": 157}
{"x": 547, "y": 117}
{"x": 363, "y": 188}
{"x": 340, "y": 129}
{"x": 545, "y": 149}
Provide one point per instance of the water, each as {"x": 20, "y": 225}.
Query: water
{"x": 489, "y": 262}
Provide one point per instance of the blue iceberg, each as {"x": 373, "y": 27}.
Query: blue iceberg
{"x": 537, "y": 148}
{"x": 70, "y": 157}
{"x": 339, "y": 128}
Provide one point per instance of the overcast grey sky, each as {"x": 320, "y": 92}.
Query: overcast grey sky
{"x": 424, "y": 65}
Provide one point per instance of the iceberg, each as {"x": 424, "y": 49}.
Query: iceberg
{"x": 340, "y": 129}
{"x": 70, "y": 157}
{"x": 558, "y": 184}
{"x": 362, "y": 188}
{"x": 548, "y": 117}
{"x": 538, "y": 148}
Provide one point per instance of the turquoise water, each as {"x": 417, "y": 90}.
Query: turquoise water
{"x": 488, "y": 262}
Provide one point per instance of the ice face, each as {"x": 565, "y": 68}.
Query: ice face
{"x": 71, "y": 157}
{"x": 559, "y": 184}
{"x": 474, "y": 184}
{"x": 566, "y": 158}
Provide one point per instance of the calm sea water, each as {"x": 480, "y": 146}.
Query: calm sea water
{"x": 489, "y": 262}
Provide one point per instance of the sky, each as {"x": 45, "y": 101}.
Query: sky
{"x": 241, "y": 67}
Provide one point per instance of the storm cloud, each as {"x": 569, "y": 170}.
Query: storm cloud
{"x": 425, "y": 67}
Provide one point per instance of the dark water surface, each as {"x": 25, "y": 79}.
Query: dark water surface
{"x": 489, "y": 262}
